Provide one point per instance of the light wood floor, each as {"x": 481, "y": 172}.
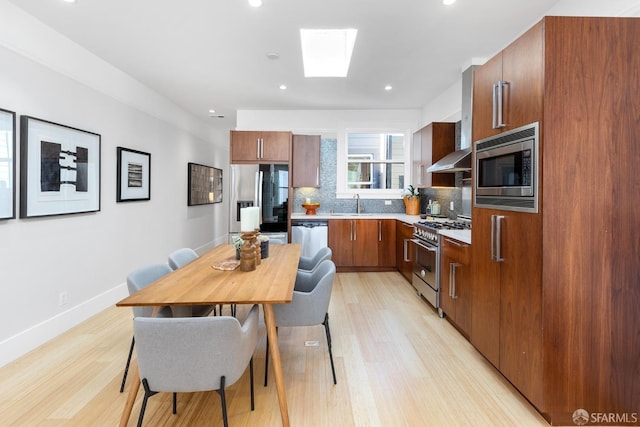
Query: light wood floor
{"x": 397, "y": 363}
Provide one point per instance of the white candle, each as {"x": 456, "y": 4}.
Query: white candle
{"x": 255, "y": 217}
{"x": 249, "y": 218}
{"x": 308, "y": 201}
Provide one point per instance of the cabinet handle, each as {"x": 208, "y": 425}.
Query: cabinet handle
{"x": 406, "y": 250}
{"x": 453, "y": 242}
{"x": 496, "y": 237}
{"x": 261, "y": 148}
{"x": 379, "y": 231}
{"x": 318, "y": 176}
{"x": 452, "y": 279}
{"x": 355, "y": 230}
{"x": 498, "y": 98}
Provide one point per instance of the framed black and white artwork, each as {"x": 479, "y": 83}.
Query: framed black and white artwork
{"x": 204, "y": 185}
{"x": 59, "y": 169}
{"x": 7, "y": 164}
{"x": 133, "y": 175}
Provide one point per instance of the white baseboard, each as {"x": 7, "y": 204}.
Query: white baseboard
{"x": 27, "y": 340}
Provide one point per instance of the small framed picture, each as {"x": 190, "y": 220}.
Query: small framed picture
{"x": 59, "y": 169}
{"x": 7, "y": 164}
{"x": 133, "y": 175}
{"x": 204, "y": 185}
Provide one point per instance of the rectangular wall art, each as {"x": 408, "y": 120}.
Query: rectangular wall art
{"x": 204, "y": 186}
{"x": 7, "y": 164}
{"x": 134, "y": 175}
{"x": 59, "y": 169}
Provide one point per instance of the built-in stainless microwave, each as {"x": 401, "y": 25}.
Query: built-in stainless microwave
{"x": 506, "y": 170}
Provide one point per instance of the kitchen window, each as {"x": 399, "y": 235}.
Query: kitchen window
{"x": 374, "y": 165}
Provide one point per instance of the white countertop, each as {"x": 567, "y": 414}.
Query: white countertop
{"x": 460, "y": 235}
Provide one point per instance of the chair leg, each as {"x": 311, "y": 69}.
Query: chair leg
{"x": 326, "y": 328}
{"x": 223, "y": 402}
{"x": 175, "y": 403}
{"x": 147, "y": 394}
{"x": 126, "y": 367}
{"x": 251, "y": 383}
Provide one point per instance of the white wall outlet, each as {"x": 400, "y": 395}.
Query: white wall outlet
{"x": 387, "y": 202}
{"x": 312, "y": 343}
{"x": 63, "y": 299}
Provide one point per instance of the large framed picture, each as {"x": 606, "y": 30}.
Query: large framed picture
{"x": 7, "y": 164}
{"x": 59, "y": 169}
{"x": 133, "y": 175}
{"x": 204, "y": 185}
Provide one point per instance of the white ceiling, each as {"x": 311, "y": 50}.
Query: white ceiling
{"x": 212, "y": 54}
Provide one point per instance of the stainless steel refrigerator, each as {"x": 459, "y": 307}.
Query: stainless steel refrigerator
{"x": 266, "y": 186}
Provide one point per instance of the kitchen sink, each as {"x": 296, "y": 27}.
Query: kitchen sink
{"x": 349, "y": 214}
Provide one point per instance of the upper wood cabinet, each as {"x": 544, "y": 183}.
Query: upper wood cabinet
{"x": 430, "y": 144}
{"x": 305, "y": 165}
{"x": 508, "y": 89}
{"x": 260, "y": 147}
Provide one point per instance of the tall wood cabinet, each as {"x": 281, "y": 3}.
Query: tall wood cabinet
{"x": 559, "y": 316}
{"x": 430, "y": 144}
{"x": 305, "y": 164}
{"x": 260, "y": 147}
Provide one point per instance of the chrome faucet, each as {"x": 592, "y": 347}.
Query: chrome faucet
{"x": 358, "y": 208}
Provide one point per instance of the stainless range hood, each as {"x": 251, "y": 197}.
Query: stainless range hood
{"x": 458, "y": 161}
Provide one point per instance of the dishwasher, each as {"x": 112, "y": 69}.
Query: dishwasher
{"x": 312, "y": 235}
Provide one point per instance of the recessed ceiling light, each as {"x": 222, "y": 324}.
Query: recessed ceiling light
{"x": 273, "y": 55}
{"x": 327, "y": 53}
{"x": 255, "y": 3}
{"x": 448, "y": 2}
{"x": 69, "y": 1}
{"x": 388, "y": 88}
{"x": 283, "y": 87}
{"x": 212, "y": 111}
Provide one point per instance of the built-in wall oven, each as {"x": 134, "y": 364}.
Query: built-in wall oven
{"x": 426, "y": 269}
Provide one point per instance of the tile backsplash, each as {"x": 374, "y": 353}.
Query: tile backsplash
{"x": 326, "y": 193}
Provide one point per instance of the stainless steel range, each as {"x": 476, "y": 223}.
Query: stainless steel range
{"x": 426, "y": 270}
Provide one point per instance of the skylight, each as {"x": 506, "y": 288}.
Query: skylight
{"x": 327, "y": 53}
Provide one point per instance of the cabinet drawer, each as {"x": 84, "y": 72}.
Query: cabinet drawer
{"x": 456, "y": 250}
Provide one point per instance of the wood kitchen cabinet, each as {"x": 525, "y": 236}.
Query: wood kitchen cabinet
{"x": 405, "y": 254}
{"x": 430, "y": 144}
{"x": 455, "y": 282}
{"x": 305, "y": 164}
{"x": 362, "y": 243}
{"x": 517, "y": 70}
{"x": 260, "y": 147}
{"x": 558, "y": 315}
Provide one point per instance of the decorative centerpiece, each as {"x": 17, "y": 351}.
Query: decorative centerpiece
{"x": 261, "y": 238}
{"x": 247, "y": 251}
{"x": 411, "y": 197}
{"x": 310, "y": 207}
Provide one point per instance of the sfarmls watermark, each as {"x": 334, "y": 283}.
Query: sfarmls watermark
{"x": 582, "y": 417}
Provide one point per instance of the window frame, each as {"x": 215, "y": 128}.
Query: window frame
{"x": 342, "y": 189}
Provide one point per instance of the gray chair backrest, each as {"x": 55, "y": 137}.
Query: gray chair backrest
{"x": 310, "y": 263}
{"x": 181, "y": 256}
{"x": 309, "y": 306}
{"x": 143, "y": 277}
{"x": 187, "y": 354}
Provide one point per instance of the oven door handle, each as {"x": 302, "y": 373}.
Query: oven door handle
{"x": 423, "y": 246}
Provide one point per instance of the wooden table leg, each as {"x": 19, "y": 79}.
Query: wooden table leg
{"x": 133, "y": 392}
{"x": 274, "y": 350}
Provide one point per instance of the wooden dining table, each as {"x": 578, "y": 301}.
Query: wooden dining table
{"x": 199, "y": 283}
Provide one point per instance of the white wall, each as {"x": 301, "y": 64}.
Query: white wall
{"x": 89, "y": 255}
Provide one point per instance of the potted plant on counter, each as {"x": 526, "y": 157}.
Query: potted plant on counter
{"x": 411, "y": 197}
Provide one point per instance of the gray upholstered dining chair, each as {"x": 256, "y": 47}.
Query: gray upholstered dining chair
{"x": 137, "y": 280}
{"x": 179, "y": 258}
{"x": 309, "y": 307}
{"x": 190, "y": 354}
{"x": 309, "y": 263}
